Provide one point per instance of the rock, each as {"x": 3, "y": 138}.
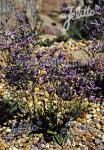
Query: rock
{"x": 83, "y": 121}
{"x": 78, "y": 149}
{"x": 97, "y": 141}
{"x": 14, "y": 148}
{"x": 72, "y": 131}
{"x": 88, "y": 121}
{"x": 3, "y": 145}
{"x": 78, "y": 119}
{"x": 35, "y": 148}
{"x": 86, "y": 148}
{"x": 98, "y": 110}
{"x": 91, "y": 145}
{"x": 8, "y": 130}
{"x": 50, "y": 30}
{"x": 96, "y": 120}
{"x": 103, "y": 103}
{"x": 98, "y": 126}
{"x": 92, "y": 112}
{"x": 47, "y": 146}
{"x": 83, "y": 138}
{"x": 88, "y": 116}
{"x": 103, "y": 138}
{"x": 102, "y": 121}
{"x": 99, "y": 135}
{"x": 89, "y": 108}
{"x": 88, "y": 134}
{"x": 93, "y": 105}
{"x": 100, "y": 147}
{"x": 102, "y": 112}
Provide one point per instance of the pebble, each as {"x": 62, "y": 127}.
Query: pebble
{"x": 13, "y": 148}
{"x": 103, "y": 138}
{"x": 100, "y": 147}
{"x": 47, "y": 146}
{"x": 99, "y": 135}
{"x": 88, "y": 116}
{"x": 8, "y": 130}
{"x": 4, "y": 128}
{"x": 102, "y": 112}
{"x": 97, "y": 141}
{"x": 42, "y": 146}
{"x": 102, "y": 121}
{"x": 92, "y": 112}
{"x": 86, "y": 148}
{"x": 98, "y": 126}
{"x": 98, "y": 110}
{"x": 88, "y": 129}
{"x": 35, "y": 148}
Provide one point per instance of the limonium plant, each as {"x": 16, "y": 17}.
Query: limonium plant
{"x": 94, "y": 26}
{"x": 51, "y": 81}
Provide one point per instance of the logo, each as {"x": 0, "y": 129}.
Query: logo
{"x": 86, "y": 12}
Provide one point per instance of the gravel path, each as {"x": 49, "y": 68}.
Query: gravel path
{"x": 85, "y": 133}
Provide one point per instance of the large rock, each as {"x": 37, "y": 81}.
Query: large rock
{"x": 49, "y": 11}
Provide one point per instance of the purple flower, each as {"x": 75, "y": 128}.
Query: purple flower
{"x": 39, "y": 55}
{"x": 49, "y": 89}
{"x": 92, "y": 98}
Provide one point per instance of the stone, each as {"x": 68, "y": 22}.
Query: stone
{"x": 91, "y": 145}
{"x": 78, "y": 119}
{"x": 83, "y": 121}
{"x": 83, "y": 138}
{"x": 89, "y": 108}
{"x": 47, "y": 146}
{"x": 8, "y": 130}
{"x": 88, "y": 116}
{"x": 98, "y": 110}
{"x": 79, "y": 132}
{"x": 97, "y": 141}
{"x": 86, "y": 148}
{"x": 102, "y": 112}
{"x": 72, "y": 131}
{"x": 14, "y": 148}
{"x": 42, "y": 146}
{"x": 103, "y": 138}
{"x": 102, "y": 121}
{"x": 93, "y": 111}
{"x": 88, "y": 120}
{"x": 96, "y": 120}
{"x": 2, "y": 144}
{"x": 99, "y": 135}
{"x": 100, "y": 147}
{"x": 98, "y": 126}
{"x": 92, "y": 137}
{"x": 78, "y": 149}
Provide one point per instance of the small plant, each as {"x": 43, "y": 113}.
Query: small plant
{"x": 19, "y": 43}
{"x": 47, "y": 42}
{"x": 8, "y": 107}
{"x": 53, "y": 89}
{"x": 94, "y": 26}
{"x": 97, "y": 47}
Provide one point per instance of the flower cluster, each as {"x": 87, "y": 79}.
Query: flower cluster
{"x": 94, "y": 26}
{"x": 20, "y": 69}
{"x": 69, "y": 79}
{"x": 21, "y": 35}
{"x": 97, "y": 47}
{"x": 20, "y": 42}
{"x": 66, "y": 79}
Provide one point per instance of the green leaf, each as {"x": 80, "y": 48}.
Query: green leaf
{"x": 58, "y": 139}
{"x": 52, "y": 132}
